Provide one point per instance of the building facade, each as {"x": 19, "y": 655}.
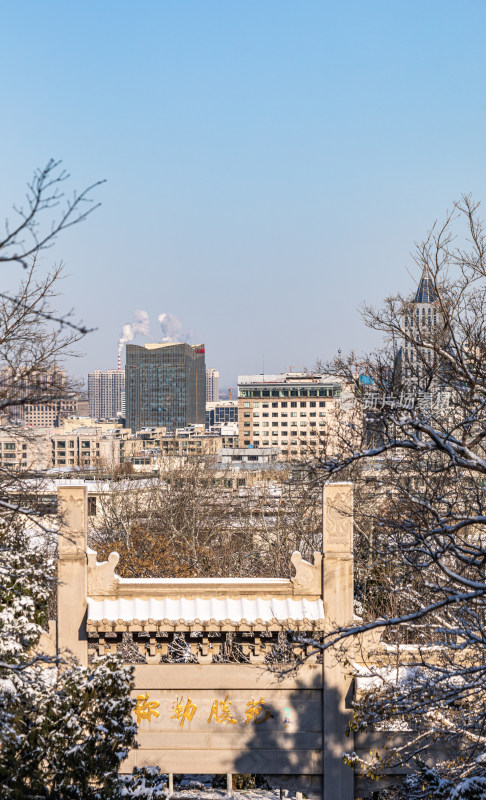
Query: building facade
{"x": 106, "y": 393}
{"x": 212, "y": 385}
{"x": 221, "y": 412}
{"x": 422, "y": 322}
{"x": 165, "y": 385}
{"x": 45, "y": 400}
{"x": 290, "y": 410}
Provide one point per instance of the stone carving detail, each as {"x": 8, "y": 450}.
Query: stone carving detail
{"x": 101, "y": 574}
{"x": 338, "y": 529}
{"x": 308, "y": 577}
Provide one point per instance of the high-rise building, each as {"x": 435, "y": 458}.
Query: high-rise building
{"x": 106, "y": 391}
{"x": 44, "y": 397}
{"x": 292, "y": 410}
{"x": 422, "y": 322}
{"x": 165, "y": 385}
{"x": 212, "y": 385}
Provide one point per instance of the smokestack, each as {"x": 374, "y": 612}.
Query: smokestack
{"x": 119, "y": 360}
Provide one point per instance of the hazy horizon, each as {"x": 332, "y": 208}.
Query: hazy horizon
{"x": 268, "y": 165}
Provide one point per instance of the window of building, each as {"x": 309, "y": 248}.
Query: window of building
{"x": 274, "y": 405}
{"x": 284, "y": 424}
{"x": 9, "y": 446}
{"x": 303, "y": 403}
{"x": 303, "y": 414}
{"x": 283, "y": 405}
{"x": 246, "y": 424}
{"x": 312, "y": 404}
{"x": 265, "y": 424}
{"x": 274, "y": 413}
{"x": 265, "y": 414}
{"x": 312, "y": 414}
{"x": 256, "y": 414}
{"x": 293, "y": 413}
{"x": 293, "y": 405}
{"x": 265, "y": 405}
{"x": 274, "y": 424}
{"x": 246, "y": 414}
{"x": 322, "y": 404}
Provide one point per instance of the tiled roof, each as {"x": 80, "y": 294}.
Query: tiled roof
{"x": 204, "y": 610}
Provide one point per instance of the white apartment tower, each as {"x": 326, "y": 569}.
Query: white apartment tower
{"x": 212, "y": 385}
{"x": 106, "y": 393}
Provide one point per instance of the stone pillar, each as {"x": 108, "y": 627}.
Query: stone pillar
{"x": 72, "y": 572}
{"x": 337, "y": 585}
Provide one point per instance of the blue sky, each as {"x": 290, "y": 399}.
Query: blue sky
{"x": 269, "y": 164}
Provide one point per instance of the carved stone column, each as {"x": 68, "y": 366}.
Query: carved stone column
{"x": 338, "y": 612}
{"x": 71, "y": 572}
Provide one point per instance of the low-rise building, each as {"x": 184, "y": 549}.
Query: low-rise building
{"x": 25, "y": 450}
{"x": 235, "y": 456}
{"x": 88, "y": 448}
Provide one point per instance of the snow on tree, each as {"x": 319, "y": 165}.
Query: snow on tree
{"x": 420, "y": 509}
{"x": 64, "y": 728}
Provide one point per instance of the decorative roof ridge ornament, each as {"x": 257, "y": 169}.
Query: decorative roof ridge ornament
{"x": 308, "y": 577}
{"x": 102, "y": 579}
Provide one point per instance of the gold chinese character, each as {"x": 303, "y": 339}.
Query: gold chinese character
{"x": 182, "y": 713}
{"x": 145, "y": 709}
{"x": 254, "y": 709}
{"x": 224, "y": 714}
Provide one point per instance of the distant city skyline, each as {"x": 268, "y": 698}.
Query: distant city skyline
{"x": 268, "y": 165}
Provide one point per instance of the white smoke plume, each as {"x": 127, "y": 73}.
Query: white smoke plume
{"x": 139, "y": 326}
{"x": 171, "y": 328}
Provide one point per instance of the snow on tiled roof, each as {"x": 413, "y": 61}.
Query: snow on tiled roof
{"x": 205, "y": 609}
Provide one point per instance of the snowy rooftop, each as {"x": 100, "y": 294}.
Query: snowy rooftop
{"x": 205, "y": 610}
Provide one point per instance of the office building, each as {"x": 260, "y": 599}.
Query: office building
{"x": 221, "y": 412}
{"x": 291, "y": 411}
{"x": 106, "y": 393}
{"x": 165, "y": 385}
{"x": 212, "y": 385}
